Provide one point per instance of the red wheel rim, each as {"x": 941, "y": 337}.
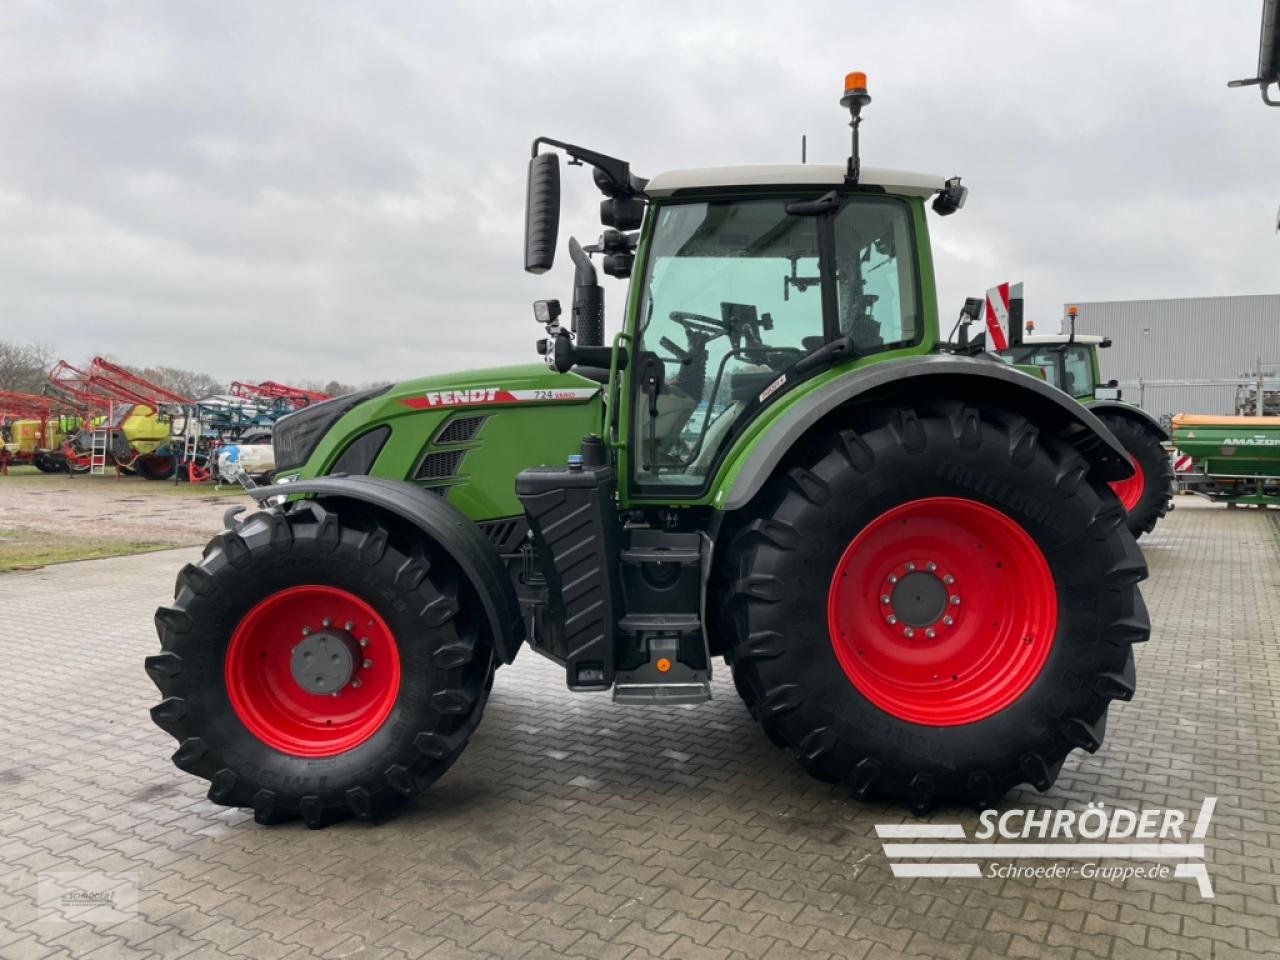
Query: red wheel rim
{"x": 942, "y": 611}
{"x": 1130, "y": 491}
{"x": 268, "y": 698}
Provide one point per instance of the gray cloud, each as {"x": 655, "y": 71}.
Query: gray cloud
{"x": 305, "y": 190}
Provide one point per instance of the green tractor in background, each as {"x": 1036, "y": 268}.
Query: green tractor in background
{"x": 909, "y": 557}
{"x": 1070, "y": 362}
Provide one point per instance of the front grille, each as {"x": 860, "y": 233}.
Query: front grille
{"x": 440, "y": 466}
{"x": 460, "y": 430}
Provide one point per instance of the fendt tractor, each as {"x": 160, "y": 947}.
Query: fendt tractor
{"x": 909, "y": 558}
{"x": 1069, "y": 361}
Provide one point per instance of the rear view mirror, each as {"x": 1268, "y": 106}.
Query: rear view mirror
{"x": 542, "y": 213}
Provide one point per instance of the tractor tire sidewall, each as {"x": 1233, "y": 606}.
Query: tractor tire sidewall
{"x": 1143, "y": 444}
{"x": 1001, "y": 462}
{"x": 265, "y": 558}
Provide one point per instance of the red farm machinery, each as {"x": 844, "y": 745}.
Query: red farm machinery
{"x": 127, "y": 424}
{"x": 32, "y": 428}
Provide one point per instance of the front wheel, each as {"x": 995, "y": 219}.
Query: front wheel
{"x": 935, "y": 606}
{"x": 320, "y": 668}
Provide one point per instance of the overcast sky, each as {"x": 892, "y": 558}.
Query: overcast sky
{"x": 325, "y": 190}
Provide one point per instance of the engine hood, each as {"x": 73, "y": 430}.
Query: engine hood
{"x": 496, "y": 386}
{"x": 463, "y": 435}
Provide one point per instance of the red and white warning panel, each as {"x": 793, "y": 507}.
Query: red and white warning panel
{"x": 1004, "y": 316}
{"x": 997, "y": 314}
{"x": 1182, "y": 463}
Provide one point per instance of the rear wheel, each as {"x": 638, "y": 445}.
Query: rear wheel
{"x": 937, "y": 606}
{"x": 319, "y": 668}
{"x": 1147, "y": 495}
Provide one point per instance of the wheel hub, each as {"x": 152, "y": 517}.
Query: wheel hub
{"x": 326, "y": 661}
{"x": 919, "y": 595}
{"x": 919, "y": 599}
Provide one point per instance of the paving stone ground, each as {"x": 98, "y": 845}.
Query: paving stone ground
{"x": 574, "y": 828}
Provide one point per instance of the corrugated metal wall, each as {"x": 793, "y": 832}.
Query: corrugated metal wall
{"x": 1192, "y": 339}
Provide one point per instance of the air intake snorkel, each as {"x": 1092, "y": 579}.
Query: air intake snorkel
{"x": 587, "y": 316}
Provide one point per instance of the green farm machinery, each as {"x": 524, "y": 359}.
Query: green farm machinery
{"x": 1236, "y": 460}
{"x": 908, "y": 557}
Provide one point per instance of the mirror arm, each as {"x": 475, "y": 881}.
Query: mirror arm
{"x": 617, "y": 171}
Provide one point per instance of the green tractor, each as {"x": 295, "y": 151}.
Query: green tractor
{"x": 1070, "y": 363}
{"x": 909, "y": 558}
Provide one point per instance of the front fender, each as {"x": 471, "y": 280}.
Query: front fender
{"x": 1120, "y": 408}
{"x": 961, "y": 377}
{"x": 445, "y": 525}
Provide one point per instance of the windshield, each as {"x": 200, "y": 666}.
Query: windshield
{"x": 1068, "y": 366}
{"x": 733, "y": 297}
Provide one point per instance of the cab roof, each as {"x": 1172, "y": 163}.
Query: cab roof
{"x": 901, "y": 182}
{"x": 1088, "y": 339}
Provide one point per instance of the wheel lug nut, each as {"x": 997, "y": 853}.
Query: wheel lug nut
{"x": 955, "y": 601}
{"x": 893, "y": 578}
{"x": 910, "y": 565}
{"x": 348, "y": 626}
{"x": 932, "y": 566}
{"x": 908, "y": 632}
{"x": 884, "y": 598}
{"x": 930, "y": 633}
{"x": 328, "y": 621}
{"x": 948, "y": 620}
{"x": 364, "y": 641}
{"x": 355, "y": 682}
{"x": 334, "y": 694}
{"x": 948, "y": 579}
{"x": 367, "y": 664}
{"x": 891, "y": 619}
{"x": 306, "y": 631}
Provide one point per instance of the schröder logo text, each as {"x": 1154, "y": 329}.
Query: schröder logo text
{"x": 1077, "y": 842}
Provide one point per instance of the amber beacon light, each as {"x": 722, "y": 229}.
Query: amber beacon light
{"x": 855, "y": 98}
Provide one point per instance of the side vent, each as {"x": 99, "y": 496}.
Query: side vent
{"x": 358, "y": 458}
{"x": 505, "y": 535}
{"x": 460, "y": 430}
{"x": 440, "y": 466}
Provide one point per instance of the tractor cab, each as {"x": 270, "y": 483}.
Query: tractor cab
{"x": 747, "y": 282}
{"x": 1068, "y": 363}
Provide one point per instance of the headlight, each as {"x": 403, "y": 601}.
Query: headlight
{"x": 295, "y": 436}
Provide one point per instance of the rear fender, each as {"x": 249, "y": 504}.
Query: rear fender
{"x": 1134, "y": 413}
{"x": 445, "y": 525}
{"x": 965, "y": 378}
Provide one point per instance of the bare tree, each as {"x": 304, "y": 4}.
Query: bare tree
{"x": 24, "y": 367}
{"x": 189, "y": 383}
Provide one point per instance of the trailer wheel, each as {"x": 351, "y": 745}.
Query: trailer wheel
{"x": 1147, "y": 495}
{"x": 157, "y": 468}
{"x": 936, "y": 606}
{"x": 320, "y": 667}
{"x": 46, "y": 464}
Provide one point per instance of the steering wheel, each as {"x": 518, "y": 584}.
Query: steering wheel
{"x": 699, "y": 323}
